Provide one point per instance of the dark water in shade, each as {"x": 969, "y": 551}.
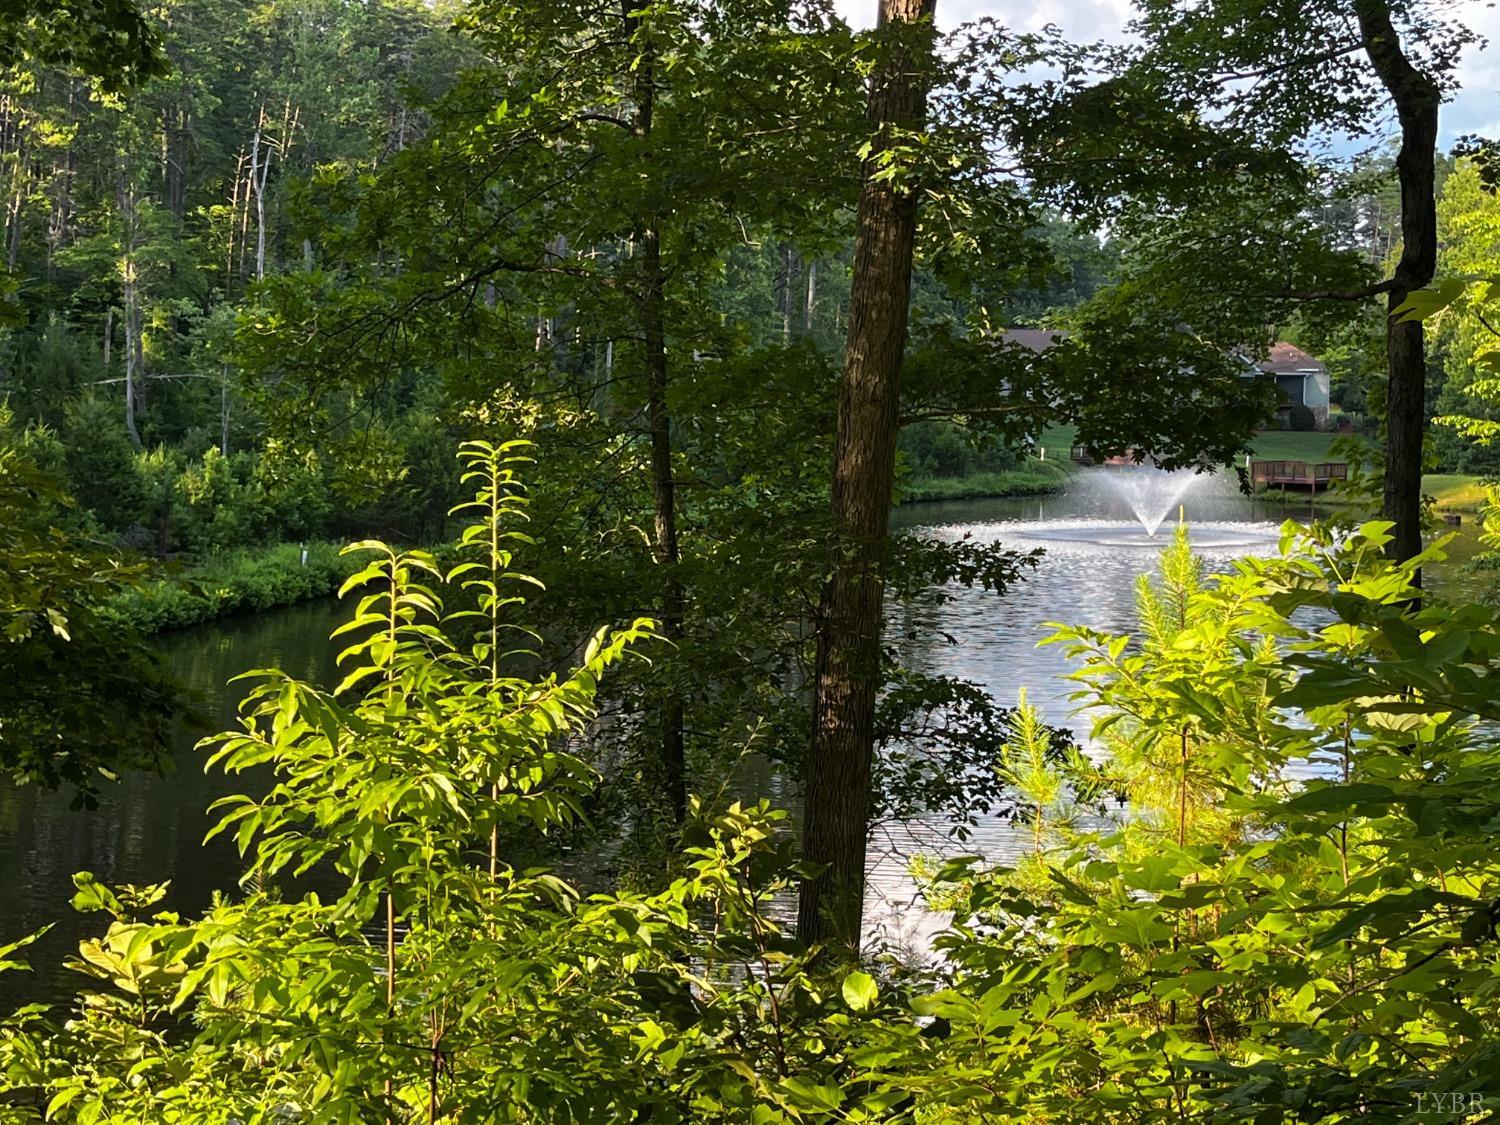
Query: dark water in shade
{"x": 146, "y": 829}
{"x": 151, "y": 829}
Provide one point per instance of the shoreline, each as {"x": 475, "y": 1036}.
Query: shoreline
{"x": 1036, "y": 478}
{"x": 243, "y": 581}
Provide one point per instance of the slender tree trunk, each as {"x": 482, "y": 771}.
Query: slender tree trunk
{"x": 17, "y": 210}
{"x": 786, "y": 285}
{"x": 835, "y": 825}
{"x": 224, "y": 410}
{"x": 62, "y": 207}
{"x": 260, "y": 168}
{"x": 18, "y": 134}
{"x": 234, "y": 212}
{"x": 174, "y": 134}
{"x": 809, "y": 308}
{"x": 1416, "y": 97}
{"x": 130, "y": 299}
{"x": 664, "y": 499}
{"x": 647, "y": 236}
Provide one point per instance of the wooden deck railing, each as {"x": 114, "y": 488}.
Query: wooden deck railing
{"x": 1298, "y": 474}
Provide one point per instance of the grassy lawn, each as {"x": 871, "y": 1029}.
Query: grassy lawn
{"x": 1057, "y": 441}
{"x": 1287, "y": 445}
{"x": 1032, "y": 479}
{"x": 1272, "y": 445}
{"x": 1454, "y": 491}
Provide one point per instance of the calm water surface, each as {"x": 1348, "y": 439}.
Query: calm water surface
{"x": 151, "y": 829}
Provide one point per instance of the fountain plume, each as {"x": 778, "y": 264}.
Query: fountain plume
{"x": 1150, "y": 492}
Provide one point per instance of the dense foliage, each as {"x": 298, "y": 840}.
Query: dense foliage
{"x": 267, "y": 265}
{"x": 1296, "y": 921}
{"x": 83, "y": 700}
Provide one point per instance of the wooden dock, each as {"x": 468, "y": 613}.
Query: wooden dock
{"x": 1313, "y": 476}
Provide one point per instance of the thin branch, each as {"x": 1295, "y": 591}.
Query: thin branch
{"x": 1364, "y": 294}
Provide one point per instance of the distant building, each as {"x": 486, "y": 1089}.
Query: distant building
{"x": 1300, "y": 378}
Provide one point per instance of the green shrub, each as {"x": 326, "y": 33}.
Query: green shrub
{"x": 1303, "y": 420}
{"x": 101, "y": 463}
{"x": 1036, "y": 479}
{"x": 235, "y": 582}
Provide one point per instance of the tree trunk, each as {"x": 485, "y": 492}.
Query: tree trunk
{"x": 130, "y": 299}
{"x": 652, "y": 300}
{"x": 260, "y": 168}
{"x": 234, "y": 213}
{"x": 18, "y": 135}
{"x": 809, "y": 308}
{"x": 175, "y": 132}
{"x": 1416, "y": 97}
{"x": 835, "y": 825}
{"x": 62, "y": 206}
{"x": 786, "y": 287}
{"x": 224, "y": 410}
{"x": 17, "y": 211}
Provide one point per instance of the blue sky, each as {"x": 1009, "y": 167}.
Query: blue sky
{"x": 1474, "y": 109}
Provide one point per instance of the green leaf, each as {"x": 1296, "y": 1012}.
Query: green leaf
{"x": 860, "y": 991}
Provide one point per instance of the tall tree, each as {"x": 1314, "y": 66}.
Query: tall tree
{"x": 849, "y": 617}
{"x": 1416, "y": 95}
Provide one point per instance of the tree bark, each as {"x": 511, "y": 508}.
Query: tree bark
{"x": 652, "y": 305}
{"x": 1416, "y": 97}
{"x": 786, "y": 288}
{"x": 130, "y": 299}
{"x": 810, "y": 307}
{"x": 835, "y": 825}
{"x": 63, "y": 177}
{"x": 259, "y": 170}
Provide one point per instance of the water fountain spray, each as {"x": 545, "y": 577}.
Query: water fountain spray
{"x": 1149, "y": 491}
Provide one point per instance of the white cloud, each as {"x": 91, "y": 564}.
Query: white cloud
{"x": 1081, "y": 19}
{"x": 1475, "y": 108}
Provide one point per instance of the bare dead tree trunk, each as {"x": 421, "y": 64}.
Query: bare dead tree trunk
{"x": 652, "y": 305}
{"x": 282, "y": 150}
{"x": 835, "y": 824}
{"x": 260, "y": 168}
{"x": 1416, "y": 97}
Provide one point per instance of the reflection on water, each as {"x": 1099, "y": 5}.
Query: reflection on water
{"x": 146, "y": 829}
{"x": 151, "y": 829}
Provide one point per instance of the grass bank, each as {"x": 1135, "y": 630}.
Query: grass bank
{"x": 241, "y": 581}
{"x": 1035, "y": 478}
{"x": 1455, "y": 492}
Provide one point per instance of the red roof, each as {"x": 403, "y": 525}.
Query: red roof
{"x": 1286, "y": 359}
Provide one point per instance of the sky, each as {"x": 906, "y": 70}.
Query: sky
{"x": 1474, "y": 109}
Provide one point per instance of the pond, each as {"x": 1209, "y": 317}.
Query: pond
{"x": 150, "y": 829}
